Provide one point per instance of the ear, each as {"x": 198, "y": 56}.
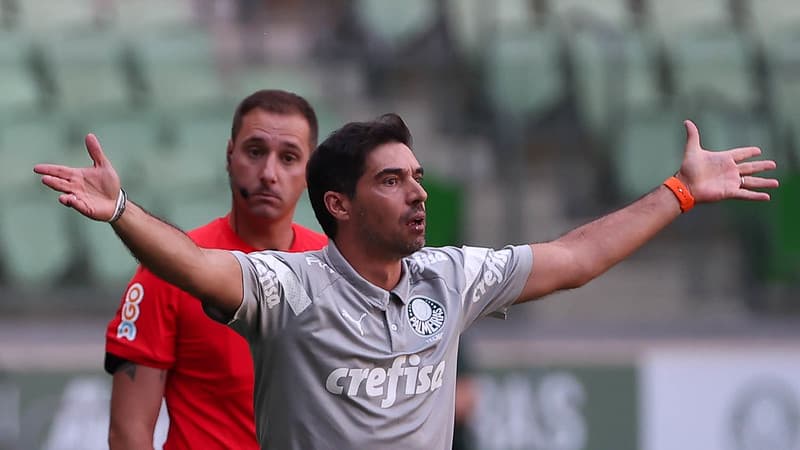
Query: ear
{"x": 338, "y": 205}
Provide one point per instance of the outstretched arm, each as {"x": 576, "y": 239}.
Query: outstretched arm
{"x": 590, "y": 250}
{"x": 213, "y": 276}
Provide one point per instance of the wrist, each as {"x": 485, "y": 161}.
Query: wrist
{"x": 681, "y": 192}
{"x": 119, "y": 208}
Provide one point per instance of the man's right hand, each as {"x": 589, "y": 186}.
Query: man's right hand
{"x": 92, "y": 191}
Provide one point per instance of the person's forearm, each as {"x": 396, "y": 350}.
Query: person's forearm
{"x": 604, "y": 242}
{"x": 165, "y": 250}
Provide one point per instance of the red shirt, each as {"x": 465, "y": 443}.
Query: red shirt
{"x": 209, "y": 389}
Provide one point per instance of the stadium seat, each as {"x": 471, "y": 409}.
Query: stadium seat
{"x": 35, "y": 240}
{"x": 24, "y": 143}
{"x": 89, "y": 69}
{"x": 138, "y": 18}
{"x": 715, "y": 66}
{"x": 673, "y": 17}
{"x": 648, "y": 150}
{"x": 722, "y": 129}
{"x": 580, "y": 13}
{"x": 110, "y": 264}
{"x": 178, "y": 68}
{"x": 514, "y": 14}
{"x": 471, "y": 23}
{"x": 523, "y": 76}
{"x": 43, "y": 17}
{"x": 196, "y": 158}
{"x": 18, "y": 87}
{"x": 774, "y": 17}
{"x": 129, "y": 139}
{"x": 614, "y": 71}
{"x": 395, "y": 23}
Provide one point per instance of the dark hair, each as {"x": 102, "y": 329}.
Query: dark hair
{"x": 339, "y": 161}
{"x": 278, "y": 102}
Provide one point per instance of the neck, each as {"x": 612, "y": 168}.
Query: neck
{"x": 381, "y": 270}
{"x": 261, "y": 233}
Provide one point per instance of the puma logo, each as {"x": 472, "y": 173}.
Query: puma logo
{"x": 347, "y": 316}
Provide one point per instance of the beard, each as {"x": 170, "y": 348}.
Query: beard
{"x": 394, "y": 244}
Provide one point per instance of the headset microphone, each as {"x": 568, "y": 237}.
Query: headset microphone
{"x": 244, "y": 192}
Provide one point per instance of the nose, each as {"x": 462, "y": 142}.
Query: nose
{"x": 269, "y": 172}
{"x": 418, "y": 193}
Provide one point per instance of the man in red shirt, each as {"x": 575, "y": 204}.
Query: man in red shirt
{"x": 162, "y": 344}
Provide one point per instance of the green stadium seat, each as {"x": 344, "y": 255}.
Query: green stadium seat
{"x": 575, "y": 13}
{"x": 714, "y": 66}
{"x": 89, "y": 69}
{"x": 395, "y": 23}
{"x": 179, "y": 68}
{"x": 129, "y": 139}
{"x": 46, "y": 16}
{"x": 196, "y": 158}
{"x": 649, "y": 149}
{"x": 109, "y": 262}
{"x": 673, "y": 17}
{"x": 19, "y": 89}
{"x": 35, "y": 240}
{"x": 523, "y": 76}
{"x": 471, "y": 23}
{"x": 614, "y": 72}
{"x": 25, "y": 143}
{"x": 513, "y": 14}
{"x": 140, "y": 17}
{"x": 722, "y": 129}
{"x": 774, "y": 17}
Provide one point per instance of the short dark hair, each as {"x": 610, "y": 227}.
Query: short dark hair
{"x": 339, "y": 162}
{"x": 278, "y": 102}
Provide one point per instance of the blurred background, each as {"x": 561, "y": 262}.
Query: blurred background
{"x": 531, "y": 117}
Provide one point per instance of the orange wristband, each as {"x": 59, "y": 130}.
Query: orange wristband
{"x": 681, "y": 192}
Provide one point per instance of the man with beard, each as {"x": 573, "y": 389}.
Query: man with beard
{"x": 355, "y": 345}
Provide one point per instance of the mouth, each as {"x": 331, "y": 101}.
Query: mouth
{"x": 417, "y": 222}
{"x": 266, "y": 196}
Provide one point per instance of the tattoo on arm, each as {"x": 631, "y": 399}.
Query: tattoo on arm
{"x": 129, "y": 368}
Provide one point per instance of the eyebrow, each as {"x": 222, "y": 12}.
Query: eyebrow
{"x": 398, "y": 171}
{"x": 262, "y": 141}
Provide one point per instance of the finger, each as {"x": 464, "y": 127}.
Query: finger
{"x": 692, "y": 135}
{"x": 54, "y": 170}
{"x": 72, "y": 201}
{"x": 749, "y": 168}
{"x": 95, "y": 151}
{"x": 67, "y": 199}
{"x": 744, "y": 194}
{"x": 57, "y": 184}
{"x": 759, "y": 183}
{"x": 742, "y": 153}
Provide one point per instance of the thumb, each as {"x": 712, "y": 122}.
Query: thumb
{"x": 95, "y": 151}
{"x": 692, "y": 135}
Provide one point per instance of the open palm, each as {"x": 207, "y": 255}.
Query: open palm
{"x": 713, "y": 176}
{"x": 92, "y": 191}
